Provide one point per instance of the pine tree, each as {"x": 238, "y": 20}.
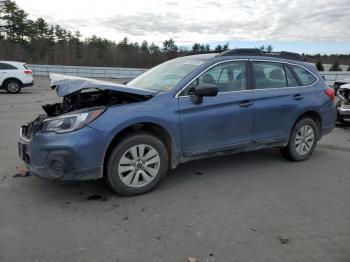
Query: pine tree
{"x": 319, "y": 66}
{"x": 196, "y": 48}
{"x": 41, "y": 28}
{"x": 218, "y": 48}
{"x": 144, "y": 48}
{"x": 154, "y": 49}
{"x": 15, "y": 21}
{"x": 335, "y": 67}
{"x": 169, "y": 46}
{"x": 269, "y": 49}
{"x": 225, "y": 47}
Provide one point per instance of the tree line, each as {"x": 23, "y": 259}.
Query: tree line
{"x": 38, "y": 42}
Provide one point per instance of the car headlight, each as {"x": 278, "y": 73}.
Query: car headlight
{"x": 70, "y": 122}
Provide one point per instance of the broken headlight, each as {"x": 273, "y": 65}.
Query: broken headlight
{"x": 70, "y": 122}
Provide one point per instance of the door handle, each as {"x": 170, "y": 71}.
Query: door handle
{"x": 245, "y": 103}
{"x": 298, "y": 97}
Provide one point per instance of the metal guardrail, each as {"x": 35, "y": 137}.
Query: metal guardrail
{"x": 86, "y": 71}
{"x": 332, "y": 76}
{"x": 129, "y": 73}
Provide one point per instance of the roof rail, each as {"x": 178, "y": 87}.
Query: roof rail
{"x": 258, "y": 52}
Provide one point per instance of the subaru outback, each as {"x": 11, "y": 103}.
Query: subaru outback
{"x": 186, "y": 108}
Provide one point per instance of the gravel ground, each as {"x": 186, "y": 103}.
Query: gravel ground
{"x": 232, "y": 208}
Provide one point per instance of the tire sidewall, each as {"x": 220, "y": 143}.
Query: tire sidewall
{"x": 291, "y": 145}
{"x": 112, "y": 176}
{"x": 12, "y": 81}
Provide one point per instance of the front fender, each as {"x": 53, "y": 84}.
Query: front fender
{"x": 118, "y": 118}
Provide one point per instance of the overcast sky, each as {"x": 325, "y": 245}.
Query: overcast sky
{"x": 297, "y": 25}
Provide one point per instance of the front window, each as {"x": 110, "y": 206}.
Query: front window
{"x": 166, "y": 75}
{"x": 228, "y": 77}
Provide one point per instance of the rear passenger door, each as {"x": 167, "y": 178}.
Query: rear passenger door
{"x": 5, "y": 71}
{"x": 276, "y": 95}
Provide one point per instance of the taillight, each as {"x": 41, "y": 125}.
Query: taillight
{"x": 28, "y": 72}
{"x": 330, "y": 93}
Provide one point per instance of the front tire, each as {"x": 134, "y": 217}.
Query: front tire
{"x": 136, "y": 164}
{"x": 302, "y": 140}
{"x": 13, "y": 86}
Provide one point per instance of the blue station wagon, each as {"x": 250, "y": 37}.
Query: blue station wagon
{"x": 186, "y": 108}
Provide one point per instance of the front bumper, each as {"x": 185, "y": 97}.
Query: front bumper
{"x": 344, "y": 111}
{"x": 71, "y": 156}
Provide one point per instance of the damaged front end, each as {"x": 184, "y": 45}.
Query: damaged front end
{"x": 82, "y": 98}
{"x": 343, "y": 103}
{"x": 49, "y": 155}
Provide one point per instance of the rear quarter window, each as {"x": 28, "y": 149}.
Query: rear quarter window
{"x": 4, "y": 66}
{"x": 304, "y": 75}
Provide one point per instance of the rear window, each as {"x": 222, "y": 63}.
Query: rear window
{"x": 26, "y": 67}
{"x": 305, "y": 76}
{"x": 269, "y": 75}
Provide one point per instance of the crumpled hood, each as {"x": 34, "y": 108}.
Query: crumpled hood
{"x": 66, "y": 85}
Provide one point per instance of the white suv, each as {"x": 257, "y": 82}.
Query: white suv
{"x": 14, "y": 76}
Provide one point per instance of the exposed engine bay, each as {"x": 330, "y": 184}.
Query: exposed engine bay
{"x": 344, "y": 94}
{"x": 343, "y": 103}
{"x": 87, "y": 98}
{"x": 79, "y": 100}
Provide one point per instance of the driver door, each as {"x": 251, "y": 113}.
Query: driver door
{"x": 220, "y": 122}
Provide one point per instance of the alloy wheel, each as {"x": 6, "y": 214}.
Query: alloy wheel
{"x": 304, "y": 140}
{"x": 13, "y": 87}
{"x": 139, "y": 165}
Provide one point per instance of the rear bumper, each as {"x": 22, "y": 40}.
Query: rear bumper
{"x": 28, "y": 84}
{"x": 328, "y": 118}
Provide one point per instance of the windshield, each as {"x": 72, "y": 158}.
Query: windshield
{"x": 166, "y": 75}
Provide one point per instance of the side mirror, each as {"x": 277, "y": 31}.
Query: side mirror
{"x": 204, "y": 90}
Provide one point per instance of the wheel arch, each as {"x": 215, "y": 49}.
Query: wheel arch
{"x": 154, "y": 128}
{"x": 313, "y": 114}
{"x": 11, "y": 78}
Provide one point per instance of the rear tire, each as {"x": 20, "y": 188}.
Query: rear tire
{"x": 302, "y": 140}
{"x": 13, "y": 86}
{"x": 136, "y": 164}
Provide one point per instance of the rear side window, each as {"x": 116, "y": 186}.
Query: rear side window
{"x": 305, "y": 76}
{"x": 269, "y": 75}
{"x": 4, "y": 66}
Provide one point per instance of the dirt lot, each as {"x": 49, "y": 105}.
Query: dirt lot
{"x": 232, "y": 208}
